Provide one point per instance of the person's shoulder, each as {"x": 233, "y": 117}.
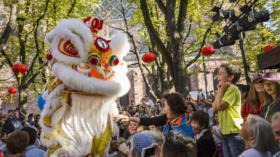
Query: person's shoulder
{"x": 208, "y": 135}
{"x": 254, "y": 152}
{"x": 33, "y": 148}
{"x": 277, "y": 154}
{"x": 233, "y": 87}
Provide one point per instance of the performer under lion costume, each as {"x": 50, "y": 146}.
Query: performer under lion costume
{"x": 87, "y": 75}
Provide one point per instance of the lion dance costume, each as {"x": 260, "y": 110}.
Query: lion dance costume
{"x": 87, "y": 75}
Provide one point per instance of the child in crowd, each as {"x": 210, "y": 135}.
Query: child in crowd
{"x": 205, "y": 142}
{"x": 228, "y": 105}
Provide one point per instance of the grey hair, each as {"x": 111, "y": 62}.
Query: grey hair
{"x": 274, "y": 117}
{"x": 135, "y": 152}
{"x": 262, "y": 133}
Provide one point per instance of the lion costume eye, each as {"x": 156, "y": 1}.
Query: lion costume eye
{"x": 114, "y": 60}
{"x": 101, "y": 44}
{"x": 94, "y": 59}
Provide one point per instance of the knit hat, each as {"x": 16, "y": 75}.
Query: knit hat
{"x": 141, "y": 141}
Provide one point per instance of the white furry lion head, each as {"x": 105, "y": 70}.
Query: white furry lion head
{"x": 86, "y": 62}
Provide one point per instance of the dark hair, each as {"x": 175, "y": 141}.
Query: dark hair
{"x": 176, "y": 103}
{"x": 244, "y": 88}
{"x": 179, "y": 145}
{"x": 232, "y": 70}
{"x": 32, "y": 134}
{"x": 192, "y": 105}
{"x": 8, "y": 127}
{"x": 17, "y": 142}
{"x": 30, "y": 115}
{"x": 202, "y": 118}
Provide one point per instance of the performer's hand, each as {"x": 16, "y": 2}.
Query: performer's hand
{"x": 121, "y": 117}
{"x": 123, "y": 148}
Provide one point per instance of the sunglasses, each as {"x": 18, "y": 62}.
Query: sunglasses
{"x": 259, "y": 81}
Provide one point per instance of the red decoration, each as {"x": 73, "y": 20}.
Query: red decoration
{"x": 269, "y": 47}
{"x": 94, "y": 24}
{"x": 12, "y": 90}
{"x": 19, "y": 68}
{"x": 49, "y": 56}
{"x": 208, "y": 50}
{"x": 101, "y": 44}
{"x": 69, "y": 48}
{"x": 149, "y": 57}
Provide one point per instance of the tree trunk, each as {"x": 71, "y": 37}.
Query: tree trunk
{"x": 181, "y": 79}
{"x": 173, "y": 53}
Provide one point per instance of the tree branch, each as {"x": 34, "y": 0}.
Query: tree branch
{"x": 161, "y": 6}
{"x": 201, "y": 45}
{"x": 153, "y": 33}
{"x": 36, "y": 40}
{"x": 3, "y": 40}
{"x": 135, "y": 51}
{"x": 182, "y": 15}
{"x": 33, "y": 77}
{"x": 189, "y": 31}
{"x": 147, "y": 69}
{"x": 71, "y": 8}
{"x": 7, "y": 58}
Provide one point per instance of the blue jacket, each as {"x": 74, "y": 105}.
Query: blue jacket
{"x": 34, "y": 151}
{"x": 180, "y": 124}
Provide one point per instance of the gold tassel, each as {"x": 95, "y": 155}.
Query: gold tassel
{"x": 100, "y": 144}
{"x": 19, "y": 78}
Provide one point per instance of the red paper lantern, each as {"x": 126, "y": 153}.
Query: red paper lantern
{"x": 19, "y": 68}
{"x": 208, "y": 50}
{"x": 149, "y": 57}
{"x": 12, "y": 90}
{"x": 269, "y": 47}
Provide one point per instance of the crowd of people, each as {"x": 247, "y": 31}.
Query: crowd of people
{"x": 20, "y": 135}
{"x": 235, "y": 121}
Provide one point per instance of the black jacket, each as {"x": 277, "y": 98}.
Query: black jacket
{"x": 157, "y": 121}
{"x": 206, "y": 146}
